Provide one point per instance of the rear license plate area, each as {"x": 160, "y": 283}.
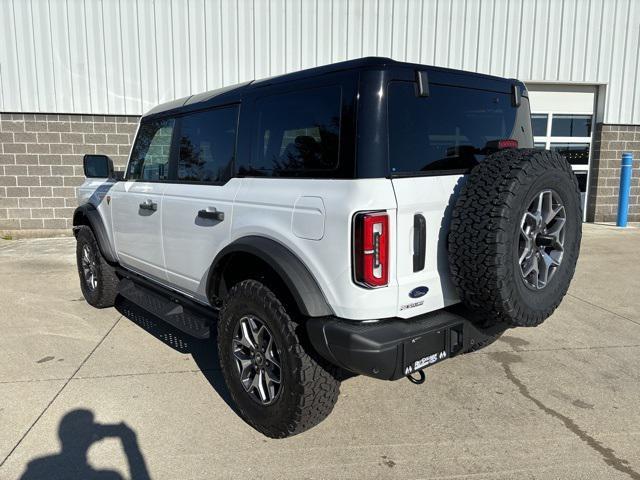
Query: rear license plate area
{"x": 430, "y": 348}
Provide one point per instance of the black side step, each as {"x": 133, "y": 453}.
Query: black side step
{"x": 183, "y": 315}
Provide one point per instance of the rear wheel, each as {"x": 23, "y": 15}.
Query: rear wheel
{"x": 98, "y": 280}
{"x": 279, "y": 386}
{"x": 515, "y": 236}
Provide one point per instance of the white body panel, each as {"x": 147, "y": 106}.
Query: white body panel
{"x": 265, "y": 207}
{"x": 431, "y": 197}
{"x": 191, "y": 242}
{"x": 312, "y": 218}
{"x": 137, "y": 233}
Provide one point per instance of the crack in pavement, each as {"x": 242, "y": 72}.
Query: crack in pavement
{"x": 506, "y": 359}
{"x": 59, "y": 392}
{"x": 602, "y": 308}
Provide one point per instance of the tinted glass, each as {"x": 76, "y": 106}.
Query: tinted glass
{"x": 96, "y": 166}
{"x": 297, "y": 132}
{"x": 571, "y": 126}
{"x": 150, "y": 155}
{"x": 448, "y": 130}
{"x": 539, "y": 124}
{"x": 207, "y": 145}
{"x": 575, "y": 153}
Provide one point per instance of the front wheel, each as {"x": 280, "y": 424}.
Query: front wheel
{"x": 279, "y": 387}
{"x": 98, "y": 280}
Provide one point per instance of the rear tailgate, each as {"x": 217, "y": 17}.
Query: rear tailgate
{"x": 434, "y": 141}
{"x": 426, "y": 197}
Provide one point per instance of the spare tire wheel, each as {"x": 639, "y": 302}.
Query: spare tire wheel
{"x": 515, "y": 236}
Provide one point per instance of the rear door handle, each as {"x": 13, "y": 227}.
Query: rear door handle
{"x": 149, "y": 204}
{"x": 419, "y": 242}
{"x": 211, "y": 213}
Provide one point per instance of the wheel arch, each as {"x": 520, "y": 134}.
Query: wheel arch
{"x": 282, "y": 262}
{"x": 88, "y": 215}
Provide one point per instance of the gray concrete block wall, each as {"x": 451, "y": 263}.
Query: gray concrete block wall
{"x": 41, "y": 164}
{"x": 609, "y": 143}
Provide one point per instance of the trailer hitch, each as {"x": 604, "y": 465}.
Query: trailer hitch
{"x": 418, "y": 381}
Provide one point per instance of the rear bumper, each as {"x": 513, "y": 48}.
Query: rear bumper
{"x": 389, "y": 349}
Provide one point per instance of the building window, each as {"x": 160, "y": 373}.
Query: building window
{"x": 571, "y": 126}
{"x": 539, "y": 124}
{"x": 570, "y": 136}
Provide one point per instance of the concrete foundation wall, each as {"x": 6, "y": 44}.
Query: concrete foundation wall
{"x": 609, "y": 143}
{"x": 41, "y": 164}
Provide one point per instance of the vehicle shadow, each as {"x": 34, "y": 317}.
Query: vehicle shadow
{"x": 203, "y": 351}
{"x": 77, "y": 431}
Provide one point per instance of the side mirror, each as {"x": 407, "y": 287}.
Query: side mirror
{"x": 97, "y": 166}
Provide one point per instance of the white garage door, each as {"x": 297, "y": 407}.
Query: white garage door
{"x": 563, "y": 117}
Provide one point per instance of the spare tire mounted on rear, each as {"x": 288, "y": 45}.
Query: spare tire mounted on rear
{"x": 515, "y": 236}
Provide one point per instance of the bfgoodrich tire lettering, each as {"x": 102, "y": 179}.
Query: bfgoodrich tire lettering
{"x": 100, "y": 287}
{"x": 485, "y": 231}
{"x": 309, "y": 388}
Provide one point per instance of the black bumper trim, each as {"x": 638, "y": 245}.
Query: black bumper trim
{"x": 389, "y": 349}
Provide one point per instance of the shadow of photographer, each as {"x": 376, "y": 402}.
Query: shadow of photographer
{"x": 77, "y": 431}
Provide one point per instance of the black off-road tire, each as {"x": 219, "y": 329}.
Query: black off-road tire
{"x": 104, "y": 294}
{"x": 485, "y": 231}
{"x": 310, "y": 386}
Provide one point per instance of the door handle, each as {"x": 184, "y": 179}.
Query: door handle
{"x": 211, "y": 213}
{"x": 419, "y": 242}
{"x": 149, "y": 204}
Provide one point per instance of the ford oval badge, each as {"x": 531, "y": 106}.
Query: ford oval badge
{"x": 418, "y": 292}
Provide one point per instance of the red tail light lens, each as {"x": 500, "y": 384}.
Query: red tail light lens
{"x": 371, "y": 249}
{"x": 508, "y": 143}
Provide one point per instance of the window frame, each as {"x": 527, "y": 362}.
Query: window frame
{"x": 175, "y": 160}
{"x": 174, "y": 151}
{"x": 246, "y": 154}
{"x": 133, "y": 146}
{"x": 434, "y": 172}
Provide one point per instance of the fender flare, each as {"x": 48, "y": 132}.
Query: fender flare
{"x": 294, "y": 273}
{"x": 94, "y": 220}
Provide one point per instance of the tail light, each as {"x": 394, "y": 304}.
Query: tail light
{"x": 371, "y": 249}
{"x": 502, "y": 144}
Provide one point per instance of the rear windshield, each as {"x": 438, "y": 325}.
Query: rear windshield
{"x": 446, "y": 131}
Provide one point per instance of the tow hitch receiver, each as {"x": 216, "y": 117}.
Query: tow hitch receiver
{"x": 419, "y": 380}
{"x": 431, "y": 347}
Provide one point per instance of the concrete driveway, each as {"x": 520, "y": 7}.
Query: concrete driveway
{"x": 83, "y": 390}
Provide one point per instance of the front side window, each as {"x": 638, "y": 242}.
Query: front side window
{"x": 448, "y": 130}
{"x": 297, "y": 133}
{"x": 151, "y": 153}
{"x": 207, "y": 145}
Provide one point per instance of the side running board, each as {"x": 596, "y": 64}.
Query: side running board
{"x": 184, "y": 315}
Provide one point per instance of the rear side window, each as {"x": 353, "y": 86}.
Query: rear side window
{"x": 448, "y": 130}
{"x": 298, "y": 133}
{"x": 207, "y": 145}
{"x": 151, "y": 152}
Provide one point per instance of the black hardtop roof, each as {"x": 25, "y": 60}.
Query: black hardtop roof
{"x": 234, "y": 93}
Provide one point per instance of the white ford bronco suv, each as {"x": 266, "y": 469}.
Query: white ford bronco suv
{"x": 368, "y": 217}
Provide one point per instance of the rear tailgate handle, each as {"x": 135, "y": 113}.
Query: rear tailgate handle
{"x": 419, "y": 242}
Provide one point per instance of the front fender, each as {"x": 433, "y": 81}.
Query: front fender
{"x": 87, "y": 214}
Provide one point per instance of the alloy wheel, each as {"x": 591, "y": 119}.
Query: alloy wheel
{"x": 541, "y": 243}
{"x": 257, "y": 360}
{"x": 89, "y": 268}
